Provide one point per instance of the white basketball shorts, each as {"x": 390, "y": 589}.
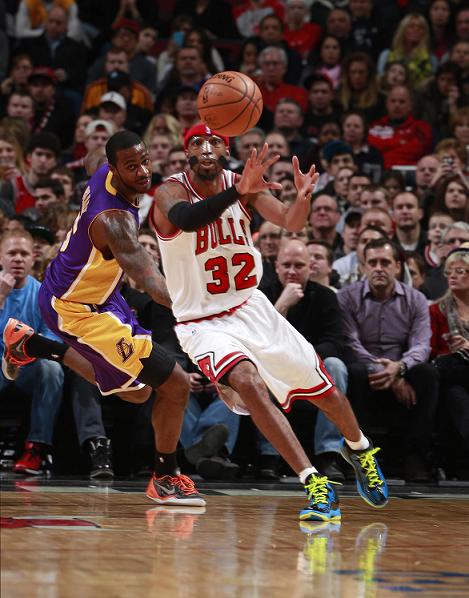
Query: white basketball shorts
{"x": 285, "y": 360}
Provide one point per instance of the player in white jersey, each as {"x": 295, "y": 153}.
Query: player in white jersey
{"x": 229, "y": 329}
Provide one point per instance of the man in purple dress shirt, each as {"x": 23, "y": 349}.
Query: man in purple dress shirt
{"x": 387, "y": 335}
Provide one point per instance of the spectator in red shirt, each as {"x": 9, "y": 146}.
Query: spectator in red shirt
{"x": 301, "y": 35}
{"x": 249, "y": 14}
{"x": 273, "y": 64}
{"x": 401, "y": 138}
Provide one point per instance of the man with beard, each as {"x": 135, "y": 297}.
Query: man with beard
{"x": 81, "y": 303}
{"x": 229, "y": 328}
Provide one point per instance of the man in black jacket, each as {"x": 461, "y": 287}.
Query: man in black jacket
{"x": 65, "y": 56}
{"x": 313, "y": 310}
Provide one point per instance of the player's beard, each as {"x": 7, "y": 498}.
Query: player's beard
{"x": 208, "y": 176}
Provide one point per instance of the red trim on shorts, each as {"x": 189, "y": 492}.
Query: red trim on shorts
{"x": 226, "y": 312}
{"x": 230, "y": 366}
{"x": 205, "y": 365}
{"x": 306, "y": 397}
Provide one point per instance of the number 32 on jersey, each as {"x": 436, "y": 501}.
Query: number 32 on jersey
{"x": 244, "y": 278}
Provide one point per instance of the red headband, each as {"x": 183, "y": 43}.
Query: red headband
{"x": 202, "y": 129}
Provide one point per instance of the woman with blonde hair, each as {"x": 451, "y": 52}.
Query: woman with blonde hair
{"x": 449, "y": 319}
{"x": 165, "y": 124}
{"x": 411, "y": 46}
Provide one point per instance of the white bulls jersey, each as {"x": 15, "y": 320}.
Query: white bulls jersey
{"x": 215, "y": 268}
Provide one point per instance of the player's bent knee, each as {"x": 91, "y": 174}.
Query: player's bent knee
{"x": 138, "y": 396}
{"x": 178, "y": 383}
{"x": 157, "y": 367}
{"x": 244, "y": 377}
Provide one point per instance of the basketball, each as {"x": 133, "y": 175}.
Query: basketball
{"x": 230, "y": 103}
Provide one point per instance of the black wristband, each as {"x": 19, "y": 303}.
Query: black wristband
{"x": 192, "y": 216}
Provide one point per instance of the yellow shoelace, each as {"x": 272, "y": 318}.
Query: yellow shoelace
{"x": 368, "y": 463}
{"x": 318, "y": 488}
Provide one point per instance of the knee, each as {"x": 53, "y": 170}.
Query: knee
{"x": 178, "y": 385}
{"x": 48, "y": 372}
{"x": 336, "y": 368}
{"x": 244, "y": 378}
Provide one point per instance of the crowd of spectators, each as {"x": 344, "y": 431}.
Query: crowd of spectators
{"x": 375, "y": 94}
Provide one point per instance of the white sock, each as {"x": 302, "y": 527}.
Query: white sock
{"x": 306, "y": 472}
{"x": 359, "y": 445}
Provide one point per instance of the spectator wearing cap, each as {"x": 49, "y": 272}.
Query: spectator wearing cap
{"x": 52, "y": 112}
{"x": 113, "y": 108}
{"x": 42, "y": 155}
{"x": 55, "y": 49}
{"x": 399, "y": 136}
{"x": 43, "y": 239}
{"x": 118, "y": 79}
{"x": 97, "y": 133}
{"x": 335, "y": 155}
{"x": 125, "y": 38}
{"x": 322, "y": 107}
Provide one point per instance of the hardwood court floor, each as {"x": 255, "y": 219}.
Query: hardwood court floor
{"x": 61, "y": 540}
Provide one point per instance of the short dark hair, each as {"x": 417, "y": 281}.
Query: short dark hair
{"x": 418, "y": 259}
{"x": 330, "y": 255}
{"x": 53, "y": 184}
{"x": 45, "y": 140}
{"x": 379, "y": 243}
{"x": 377, "y": 229}
{"x": 120, "y": 141}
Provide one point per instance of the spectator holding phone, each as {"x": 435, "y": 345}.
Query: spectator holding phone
{"x": 450, "y": 340}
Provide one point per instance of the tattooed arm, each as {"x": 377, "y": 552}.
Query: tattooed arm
{"x": 115, "y": 234}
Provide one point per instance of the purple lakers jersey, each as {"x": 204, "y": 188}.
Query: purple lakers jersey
{"x": 80, "y": 273}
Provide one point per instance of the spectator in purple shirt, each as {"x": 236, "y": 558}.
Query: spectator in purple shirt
{"x": 387, "y": 334}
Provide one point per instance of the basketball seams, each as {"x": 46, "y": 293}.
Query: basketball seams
{"x": 246, "y": 115}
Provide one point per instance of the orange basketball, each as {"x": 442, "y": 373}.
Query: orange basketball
{"x": 230, "y": 103}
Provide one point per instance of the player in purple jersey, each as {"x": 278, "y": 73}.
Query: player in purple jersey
{"x": 81, "y": 303}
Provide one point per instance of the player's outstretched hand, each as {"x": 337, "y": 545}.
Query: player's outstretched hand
{"x": 252, "y": 178}
{"x": 304, "y": 182}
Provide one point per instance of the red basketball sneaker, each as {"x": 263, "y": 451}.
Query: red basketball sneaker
{"x": 177, "y": 490}
{"x": 14, "y": 356}
{"x": 36, "y": 460}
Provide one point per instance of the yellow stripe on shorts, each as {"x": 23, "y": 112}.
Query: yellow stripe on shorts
{"x": 105, "y": 334}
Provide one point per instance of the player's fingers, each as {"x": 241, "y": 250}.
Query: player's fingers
{"x": 263, "y": 152}
{"x": 270, "y": 161}
{"x": 312, "y": 170}
{"x": 296, "y": 164}
{"x": 276, "y": 186}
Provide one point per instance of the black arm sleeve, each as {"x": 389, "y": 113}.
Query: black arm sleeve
{"x": 192, "y": 216}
